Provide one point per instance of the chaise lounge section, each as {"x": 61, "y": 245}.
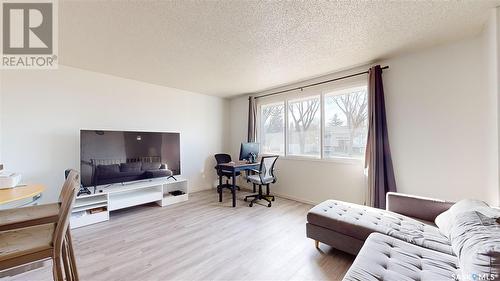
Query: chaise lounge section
{"x": 403, "y": 242}
{"x": 346, "y": 226}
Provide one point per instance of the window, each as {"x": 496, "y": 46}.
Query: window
{"x": 331, "y": 125}
{"x": 345, "y": 125}
{"x": 304, "y": 125}
{"x": 272, "y": 128}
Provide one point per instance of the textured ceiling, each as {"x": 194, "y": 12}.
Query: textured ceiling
{"x": 228, "y": 48}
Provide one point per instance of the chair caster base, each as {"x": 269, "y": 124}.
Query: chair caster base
{"x": 260, "y": 196}
{"x": 255, "y": 198}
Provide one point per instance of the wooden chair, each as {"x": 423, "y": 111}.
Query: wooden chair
{"x": 41, "y": 232}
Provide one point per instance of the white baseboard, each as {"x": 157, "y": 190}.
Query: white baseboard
{"x": 295, "y": 199}
{"x": 244, "y": 185}
{"x": 247, "y": 187}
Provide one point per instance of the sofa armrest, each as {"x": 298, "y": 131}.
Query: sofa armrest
{"x": 415, "y": 206}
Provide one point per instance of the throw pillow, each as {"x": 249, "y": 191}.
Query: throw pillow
{"x": 475, "y": 239}
{"x": 445, "y": 219}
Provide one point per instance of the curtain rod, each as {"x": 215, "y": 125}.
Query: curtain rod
{"x": 316, "y": 84}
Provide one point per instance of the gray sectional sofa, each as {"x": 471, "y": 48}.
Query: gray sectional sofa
{"x": 415, "y": 238}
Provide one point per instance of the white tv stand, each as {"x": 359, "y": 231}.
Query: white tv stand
{"x": 119, "y": 196}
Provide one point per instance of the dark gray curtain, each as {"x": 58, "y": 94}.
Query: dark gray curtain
{"x": 252, "y": 118}
{"x": 378, "y": 158}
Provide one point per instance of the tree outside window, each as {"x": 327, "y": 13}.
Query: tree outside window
{"x": 304, "y": 129}
{"x": 346, "y": 123}
{"x": 272, "y": 124}
{"x": 343, "y": 131}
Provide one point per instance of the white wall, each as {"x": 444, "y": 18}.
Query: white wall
{"x": 491, "y": 44}
{"x": 1, "y": 73}
{"x": 492, "y": 32}
{"x": 492, "y": 52}
{"x": 442, "y": 128}
{"x": 443, "y": 123}
{"x": 43, "y": 111}
{"x": 1, "y": 116}
{"x": 489, "y": 37}
{"x": 496, "y": 13}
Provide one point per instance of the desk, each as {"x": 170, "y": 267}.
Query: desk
{"x": 235, "y": 167}
{"x": 21, "y": 192}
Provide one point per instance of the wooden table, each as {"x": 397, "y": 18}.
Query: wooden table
{"x": 235, "y": 167}
{"x": 9, "y": 195}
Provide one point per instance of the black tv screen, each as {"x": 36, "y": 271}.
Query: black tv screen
{"x": 108, "y": 157}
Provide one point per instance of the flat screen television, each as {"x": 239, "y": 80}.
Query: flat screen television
{"x": 109, "y": 157}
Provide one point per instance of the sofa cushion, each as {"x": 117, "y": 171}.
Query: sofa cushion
{"x": 360, "y": 221}
{"x": 107, "y": 171}
{"x": 256, "y": 179}
{"x": 387, "y": 258}
{"x": 130, "y": 174}
{"x": 130, "y": 167}
{"x": 445, "y": 219}
{"x": 475, "y": 238}
{"x": 150, "y": 166}
{"x": 158, "y": 173}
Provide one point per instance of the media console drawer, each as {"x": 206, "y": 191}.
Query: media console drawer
{"x": 170, "y": 199}
{"x": 123, "y": 196}
{"x": 133, "y": 198}
{"x": 78, "y": 221}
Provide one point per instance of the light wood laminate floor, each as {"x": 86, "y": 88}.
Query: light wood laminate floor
{"x": 203, "y": 239}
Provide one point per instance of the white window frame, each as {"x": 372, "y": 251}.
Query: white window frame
{"x": 287, "y": 131}
{"x": 338, "y": 92}
{"x": 259, "y": 132}
{"x": 321, "y": 93}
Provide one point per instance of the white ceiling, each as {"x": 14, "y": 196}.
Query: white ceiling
{"x": 227, "y": 48}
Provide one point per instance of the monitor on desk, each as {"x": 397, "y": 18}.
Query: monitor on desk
{"x": 249, "y": 150}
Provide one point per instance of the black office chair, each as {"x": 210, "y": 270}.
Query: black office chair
{"x": 222, "y": 158}
{"x": 265, "y": 176}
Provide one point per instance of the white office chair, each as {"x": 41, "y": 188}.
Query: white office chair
{"x": 265, "y": 176}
